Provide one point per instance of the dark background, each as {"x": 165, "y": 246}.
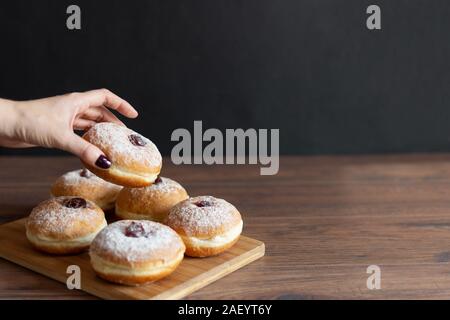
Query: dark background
{"x": 308, "y": 67}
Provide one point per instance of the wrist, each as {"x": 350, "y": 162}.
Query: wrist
{"x": 9, "y": 117}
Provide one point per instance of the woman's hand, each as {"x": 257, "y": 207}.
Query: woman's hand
{"x": 51, "y": 122}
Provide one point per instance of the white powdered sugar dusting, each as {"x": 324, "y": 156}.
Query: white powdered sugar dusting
{"x": 115, "y": 138}
{"x": 51, "y": 216}
{"x": 165, "y": 186}
{"x": 113, "y": 238}
{"x": 77, "y": 177}
{"x": 188, "y": 216}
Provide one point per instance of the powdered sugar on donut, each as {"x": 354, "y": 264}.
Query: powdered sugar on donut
{"x": 113, "y": 239}
{"x": 75, "y": 178}
{"x": 52, "y": 218}
{"x": 164, "y": 187}
{"x": 114, "y": 140}
{"x": 192, "y": 219}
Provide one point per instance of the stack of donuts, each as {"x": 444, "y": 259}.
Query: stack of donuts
{"x": 157, "y": 223}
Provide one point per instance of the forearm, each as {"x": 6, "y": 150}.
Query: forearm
{"x": 26, "y": 123}
{"x": 9, "y": 116}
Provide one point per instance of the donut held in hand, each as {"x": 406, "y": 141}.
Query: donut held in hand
{"x": 64, "y": 225}
{"x": 134, "y": 252}
{"x": 207, "y": 225}
{"x": 135, "y": 160}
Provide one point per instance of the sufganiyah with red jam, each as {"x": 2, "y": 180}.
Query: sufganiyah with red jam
{"x": 132, "y": 160}
{"x": 64, "y": 225}
{"x": 83, "y": 183}
{"x": 207, "y": 225}
{"x": 135, "y": 252}
{"x": 150, "y": 203}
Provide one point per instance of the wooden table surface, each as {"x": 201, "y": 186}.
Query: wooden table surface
{"x": 324, "y": 221}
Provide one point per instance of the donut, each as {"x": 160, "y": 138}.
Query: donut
{"x": 207, "y": 225}
{"x": 134, "y": 252}
{"x": 83, "y": 183}
{"x": 135, "y": 160}
{"x": 64, "y": 225}
{"x": 150, "y": 203}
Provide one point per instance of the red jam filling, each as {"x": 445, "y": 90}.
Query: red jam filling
{"x": 136, "y": 230}
{"x": 85, "y": 173}
{"x": 75, "y": 203}
{"x": 158, "y": 180}
{"x": 137, "y": 140}
{"x": 203, "y": 203}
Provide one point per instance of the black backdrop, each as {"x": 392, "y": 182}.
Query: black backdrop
{"x": 308, "y": 67}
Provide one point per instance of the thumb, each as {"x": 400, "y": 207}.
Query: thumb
{"x": 87, "y": 152}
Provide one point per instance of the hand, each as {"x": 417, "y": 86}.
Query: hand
{"x": 51, "y": 122}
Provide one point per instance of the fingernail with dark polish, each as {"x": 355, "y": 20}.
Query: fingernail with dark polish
{"x": 103, "y": 162}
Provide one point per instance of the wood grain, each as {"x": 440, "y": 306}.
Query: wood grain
{"x": 323, "y": 220}
{"x": 191, "y": 275}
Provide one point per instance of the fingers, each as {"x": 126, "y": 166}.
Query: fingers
{"x": 86, "y": 151}
{"x": 83, "y": 124}
{"x": 101, "y": 114}
{"x": 105, "y": 97}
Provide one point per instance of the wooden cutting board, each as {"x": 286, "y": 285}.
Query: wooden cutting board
{"x": 191, "y": 275}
